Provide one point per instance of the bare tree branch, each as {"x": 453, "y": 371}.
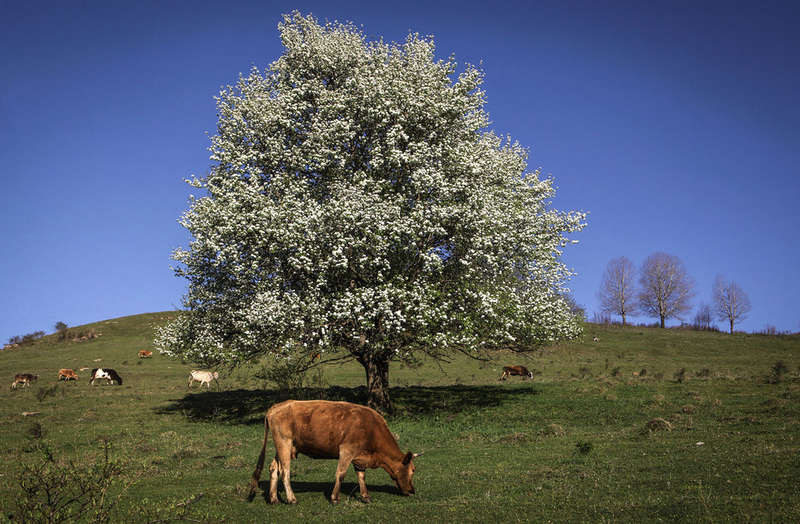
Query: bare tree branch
{"x": 666, "y": 288}
{"x": 617, "y": 290}
{"x": 730, "y": 302}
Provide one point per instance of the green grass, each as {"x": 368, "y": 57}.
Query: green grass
{"x": 494, "y": 451}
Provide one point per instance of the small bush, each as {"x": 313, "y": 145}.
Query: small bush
{"x": 82, "y": 336}
{"x": 615, "y": 372}
{"x": 35, "y": 431}
{"x": 777, "y": 371}
{"x": 680, "y": 375}
{"x": 584, "y": 372}
{"x": 705, "y": 372}
{"x": 61, "y": 331}
{"x": 584, "y": 447}
{"x": 43, "y": 393}
{"x": 55, "y": 491}
{"x": 553, "y": 430}
{"x": 657, "y": 424}
{"x": 25, "y": 340}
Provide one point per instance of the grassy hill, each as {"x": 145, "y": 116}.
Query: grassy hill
{"x": 572, "y": 445}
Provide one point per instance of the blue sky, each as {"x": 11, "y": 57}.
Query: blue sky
{"x": 675, "y": 125}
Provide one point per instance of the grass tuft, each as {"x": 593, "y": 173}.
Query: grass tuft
{"x": 657, "y": 424}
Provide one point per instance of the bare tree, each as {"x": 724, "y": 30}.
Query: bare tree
{"x": 666, "y": 288}
{"x": 702, "y": 319}
{"x": 579, "y": 310}
{"x": 730, "y": 302}
{"x": 616, "y": 293}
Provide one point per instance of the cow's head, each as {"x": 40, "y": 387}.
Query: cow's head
{"x": 216, "y": 375}
{"x": 405, "y": 474}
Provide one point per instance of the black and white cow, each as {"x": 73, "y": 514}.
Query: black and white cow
{"x": 107, "y": 374}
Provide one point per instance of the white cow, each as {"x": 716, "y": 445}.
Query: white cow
{"x": 203, "y": 377}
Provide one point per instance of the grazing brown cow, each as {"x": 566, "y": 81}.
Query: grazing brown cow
{"x": 323, "y": 429}
{"x": 24, "y": 379}
{"x": 145, "y": 353}
{"x": 67, "y": 374}
{"x": 516, "y": 370}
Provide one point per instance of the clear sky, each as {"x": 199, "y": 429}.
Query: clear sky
{"x": 675, "y": 125}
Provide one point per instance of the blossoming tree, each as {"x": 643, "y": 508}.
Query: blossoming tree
{"x": 358, "y": 207}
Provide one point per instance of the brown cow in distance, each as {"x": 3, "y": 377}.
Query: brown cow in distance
{"x": 145, "y": 353}
{"x": 322, "y": 429}
{"x": 67, "y": 374}
{"x": 516, "y": 370}
{"x": 23, "y": 379}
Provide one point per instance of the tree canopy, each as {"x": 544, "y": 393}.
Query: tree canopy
{"x": 358, "y": 206}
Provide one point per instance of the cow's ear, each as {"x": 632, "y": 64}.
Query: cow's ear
{"x": 407, "y": 458}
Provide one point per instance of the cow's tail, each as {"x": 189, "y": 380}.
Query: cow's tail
{"x": 260, "y": 465}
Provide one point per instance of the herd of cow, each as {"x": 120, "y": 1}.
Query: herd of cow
{"x": 110, "y": 376}
{"x": 321, "y": 429}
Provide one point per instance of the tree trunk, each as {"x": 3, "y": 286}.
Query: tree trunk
{"x": 623, "y": 319}
{"x": 731, "y": 326}
{"x": 377, "y": 370}
{"x": 662, "y": 321}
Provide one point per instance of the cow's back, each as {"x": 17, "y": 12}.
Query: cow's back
{"x": 319, "y": 428}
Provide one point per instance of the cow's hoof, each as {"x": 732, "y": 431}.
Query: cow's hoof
{"x": 273, "y": 501}
{"x": 366, "y": 500}
{"x": 334, "y": 501}
{"x": 292, "y": 501}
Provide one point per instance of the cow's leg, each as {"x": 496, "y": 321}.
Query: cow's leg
{"x": 362, "y": 484}
{"x": 284, "y": 453}
{"x": 190, "y": 382}
{"x": 274, "y": 470}
{"x": 341, "y": 469}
